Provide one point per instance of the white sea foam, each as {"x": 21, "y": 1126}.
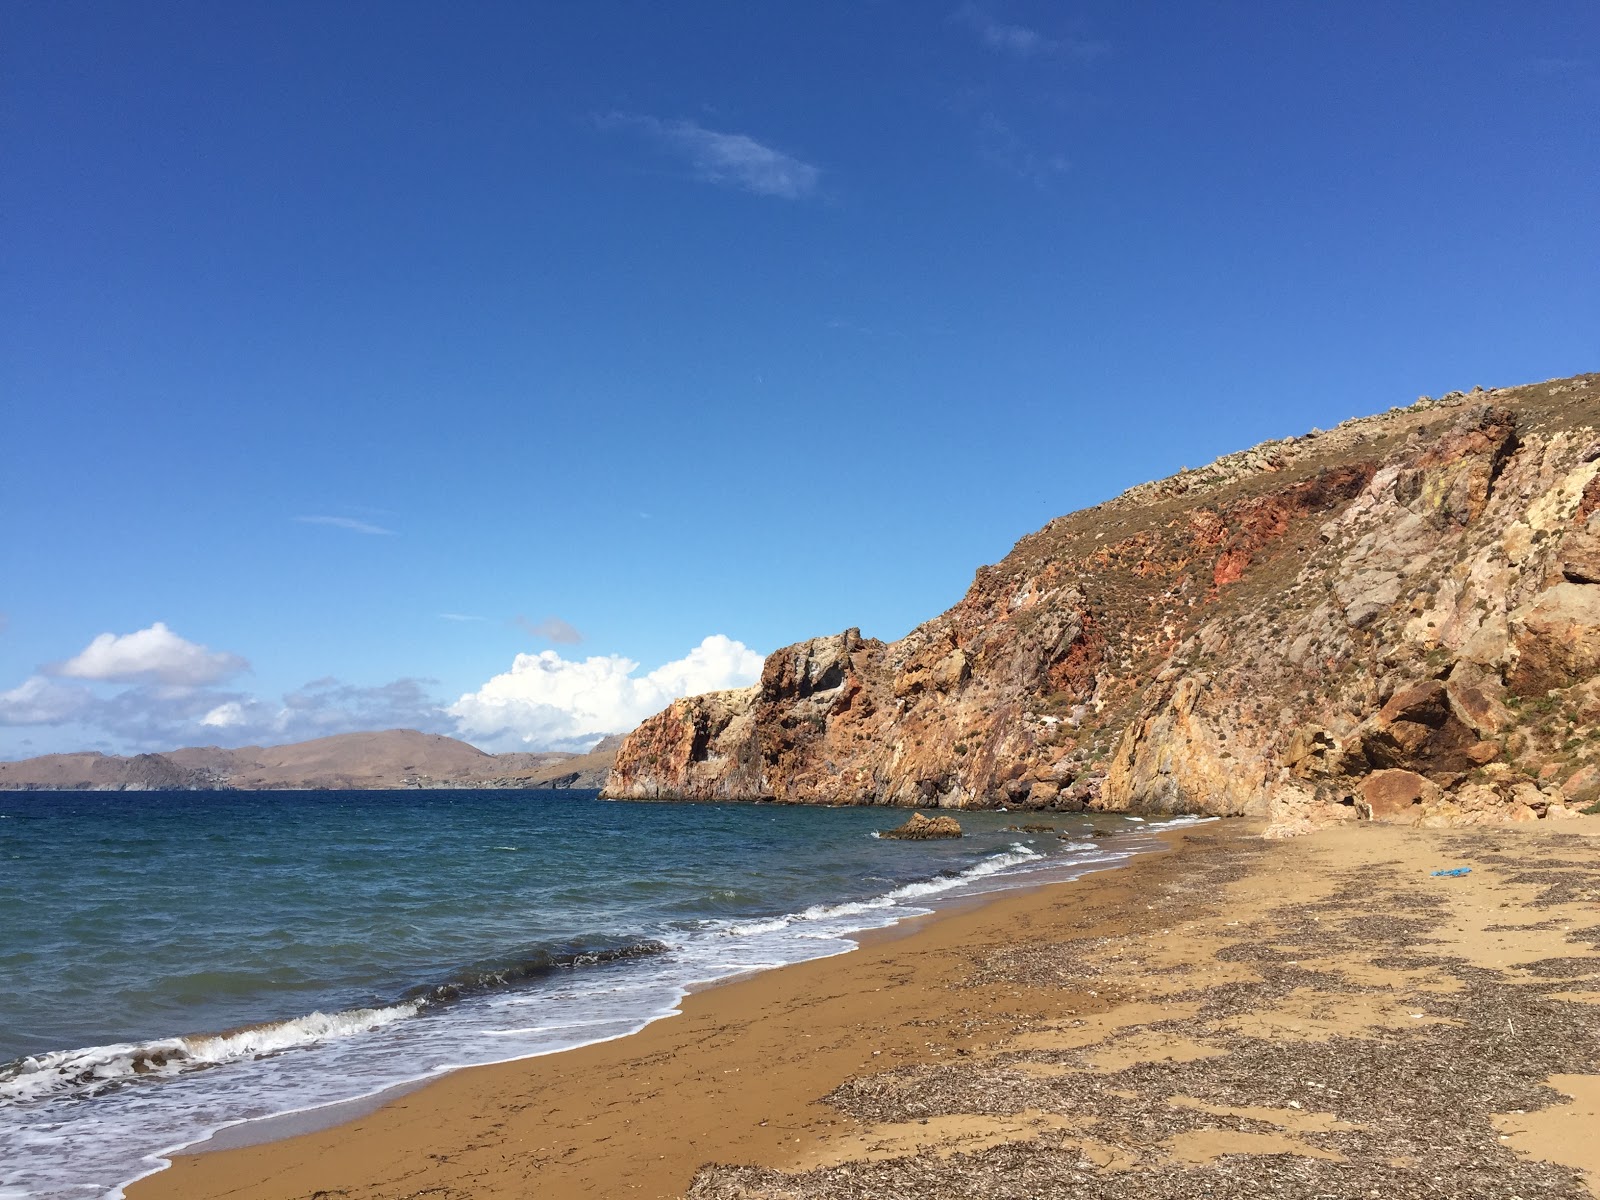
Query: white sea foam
{"x": 1176, "y": 822}
{"x": 95, "y": 1068}
{"x": 1016, "y": 856}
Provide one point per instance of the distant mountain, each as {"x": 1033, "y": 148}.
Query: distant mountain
{"x": 394, "y": 758}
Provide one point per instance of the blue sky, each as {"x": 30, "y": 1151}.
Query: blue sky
{"x": 618, "y": 327}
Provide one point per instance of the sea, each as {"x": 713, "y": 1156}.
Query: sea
{"x": 174, "y": 964}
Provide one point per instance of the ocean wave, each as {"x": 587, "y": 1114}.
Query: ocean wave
{"x": 1014, "y": 856}
{"x": 97, "y": 1069}
{"x": 487, "y": 977}
{"x": 1178, "y": 822}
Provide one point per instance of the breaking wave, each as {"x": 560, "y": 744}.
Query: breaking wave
{"x": 97, "y": 1069}
{"x": 1015, "y": 856}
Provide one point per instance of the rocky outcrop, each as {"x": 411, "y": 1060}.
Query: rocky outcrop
{"x": 919, "y": 828}
{"x": 1397, "y": 619}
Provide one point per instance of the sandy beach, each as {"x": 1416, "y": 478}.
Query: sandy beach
{"x": 1319, "y": 1017}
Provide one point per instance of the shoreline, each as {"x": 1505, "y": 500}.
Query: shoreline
{"x": 712, "y": 912}
{"x": 1172, "y": 1024}
{"x": 987, "y": 887}
{"x": 257, "y": 1131}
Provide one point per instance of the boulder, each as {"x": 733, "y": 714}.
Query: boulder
{"x": 1526, "y": 794}
{"x": 1311, "y": 752}
{"x": 1395, "y": 797}
{"x": 1418, "y": 730}
{"x": 1042, "y": 794}
{"x": 1582, "y": 788}
{"x": 1424, "y": 703}
{"x": 920, "y": 828}
{"x": 1477, "y": 705}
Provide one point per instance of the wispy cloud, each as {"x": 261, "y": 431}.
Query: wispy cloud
{"x": 1022, "y": 42}
{"x": 729, "y": 159}
{"x": 459, "y": 617}
{"x": 350, "y": 523}
{"x": 1006, "y": 148}
{"x": 551, "y": 629}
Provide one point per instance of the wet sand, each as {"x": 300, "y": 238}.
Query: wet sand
{"x": 1234, "y": 1018}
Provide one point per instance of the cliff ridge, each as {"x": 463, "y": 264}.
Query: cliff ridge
{"x": 1397, "y": 619}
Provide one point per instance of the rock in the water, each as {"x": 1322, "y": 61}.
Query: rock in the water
{"x": 920, "y": 828}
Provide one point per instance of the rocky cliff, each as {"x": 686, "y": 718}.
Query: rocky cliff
{"x": 1397, "y": 619}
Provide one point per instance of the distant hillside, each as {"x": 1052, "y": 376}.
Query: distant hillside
{"x": 394, "y": 758}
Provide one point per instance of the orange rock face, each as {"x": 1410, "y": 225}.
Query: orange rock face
{"x": 1285, "y": 633}
{"x": 1394, "y": 796}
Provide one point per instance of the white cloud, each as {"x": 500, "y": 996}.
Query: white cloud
{"x": 548, "y": 702}
{"x": 154, "y": 655}
{"x": 731, "y": 159}
{"x": 166, "y": 698}
{"x": 40, "y": 701}
{"x": 458, "y": 617}
{"x": 225, "y": 716}
{"x": 350, "y": 523}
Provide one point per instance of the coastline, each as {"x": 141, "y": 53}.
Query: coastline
{"x": 1139, "y": 1031}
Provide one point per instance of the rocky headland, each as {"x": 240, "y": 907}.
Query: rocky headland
{"x": 1397, "y": 619}
{"x": 392, "y": 758}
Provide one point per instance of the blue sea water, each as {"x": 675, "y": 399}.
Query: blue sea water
{"x": 176, "y": 963}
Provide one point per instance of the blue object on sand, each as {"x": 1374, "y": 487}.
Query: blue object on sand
{"x": 1455, "y": 871}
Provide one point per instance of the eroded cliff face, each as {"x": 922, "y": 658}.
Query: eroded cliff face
{"x": 1397, "y": 619}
